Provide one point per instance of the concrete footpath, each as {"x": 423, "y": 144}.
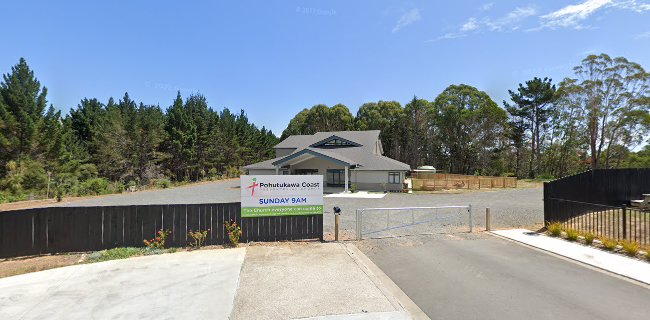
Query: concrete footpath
{"x": 184, "y": 285}
{"x": 296, "y": 280}
{"x": 289, "y": 280}
{"x": 620, "y": 265}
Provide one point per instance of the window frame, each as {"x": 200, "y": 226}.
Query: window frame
{"x": 391, "y": 177}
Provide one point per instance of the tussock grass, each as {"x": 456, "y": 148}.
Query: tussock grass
{"x": 631, "y": 248}
{"x": 554, "y": 229}
{"x": 572, "y": 235}
{"x": 609, "y": 244}
{"x": 589, "y": 238}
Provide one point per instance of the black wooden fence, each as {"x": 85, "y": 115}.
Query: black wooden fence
{"x": 612, "y": 187}
{"x": 77, "y": 229}
{"x": 597, "y": 201}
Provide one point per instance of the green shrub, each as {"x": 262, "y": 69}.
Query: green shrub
{"x": 609, "y": 244}
{"x": 555, "y": 229}
{"x": 234, "y": 232}
{"x": 589, "y": 238}
{"x": 545, "y": 176}
{"x": 353, "y": 188}
{"x": 572, "y": 235}
{"x": 631, "y": 248}
{"x": 163, "y": 183}
{"x": 213, "y": 173}
{"x": 199, "y": 237}
{"x": 95, "y": 186}
{"x": 158, "y": 242}
{"x": 114, "y": 254}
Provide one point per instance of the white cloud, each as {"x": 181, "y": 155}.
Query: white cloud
{"x": 406, "y": 19}
{"x": 573, "y": 16}
{"x": 486, "y": 6}
{"x": 508, "y": 22}
{"x": 511, "y": 19}
{"x": 470, "y": 25}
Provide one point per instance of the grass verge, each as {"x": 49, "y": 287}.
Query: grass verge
{"x": 123, "y": 253}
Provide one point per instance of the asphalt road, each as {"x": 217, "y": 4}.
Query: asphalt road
{"x": 479, "y": 276}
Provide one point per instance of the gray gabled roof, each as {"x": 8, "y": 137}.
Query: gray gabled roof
{"x": 363, "y": 157}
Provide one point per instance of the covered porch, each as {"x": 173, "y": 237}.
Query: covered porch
{"x": 334, "y": 168}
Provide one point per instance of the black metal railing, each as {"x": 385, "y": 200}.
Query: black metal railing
{"x": 605, "y": 221}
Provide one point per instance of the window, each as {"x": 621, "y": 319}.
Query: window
{"x": 394, "y": 177}
{"x": 335, "y": 177}
{"x": 336, "y": 143}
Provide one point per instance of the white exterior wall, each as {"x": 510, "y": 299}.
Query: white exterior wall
{"x": 376, "y": 180}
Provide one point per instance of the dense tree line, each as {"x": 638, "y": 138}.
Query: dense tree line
{"x": 105, "y": 147}
{"x": 598, "y": 119}
{"x": 594, "y": 120}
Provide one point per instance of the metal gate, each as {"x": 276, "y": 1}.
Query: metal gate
{"x": 410, "y": 218}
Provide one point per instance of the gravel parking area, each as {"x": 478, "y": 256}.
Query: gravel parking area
{"x": 510, "y": 207}
{"x": 213, "y": 192}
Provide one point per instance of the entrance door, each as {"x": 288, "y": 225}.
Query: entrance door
{"x": 335, "y": 177}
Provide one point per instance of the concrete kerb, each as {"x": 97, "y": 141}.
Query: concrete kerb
{"x": 568, "y": 258}
{"x": 393, "y": 293}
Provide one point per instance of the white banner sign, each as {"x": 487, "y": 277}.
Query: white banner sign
{"x": 281, "y": 195}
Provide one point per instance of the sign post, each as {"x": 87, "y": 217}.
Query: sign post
{"x": 281, "y": 195}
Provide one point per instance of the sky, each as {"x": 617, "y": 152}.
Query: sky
{"x": 274, "y": 58}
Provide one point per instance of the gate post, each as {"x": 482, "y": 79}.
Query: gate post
{"x": 469, "y": 209}
{"x": 358, "y": 224}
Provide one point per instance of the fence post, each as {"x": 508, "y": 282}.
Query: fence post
{"x": 358, "y": 224}
{"x": 488, "y": 220}
{"x": 469, "y": 209}
{"x": 623, "y": 209}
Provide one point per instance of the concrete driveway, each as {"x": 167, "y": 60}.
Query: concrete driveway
{"x": 186, "y": 285}
{"x": 479, "y": 276}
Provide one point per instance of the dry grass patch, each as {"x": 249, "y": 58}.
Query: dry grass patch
{"x": 15, "y": 266}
